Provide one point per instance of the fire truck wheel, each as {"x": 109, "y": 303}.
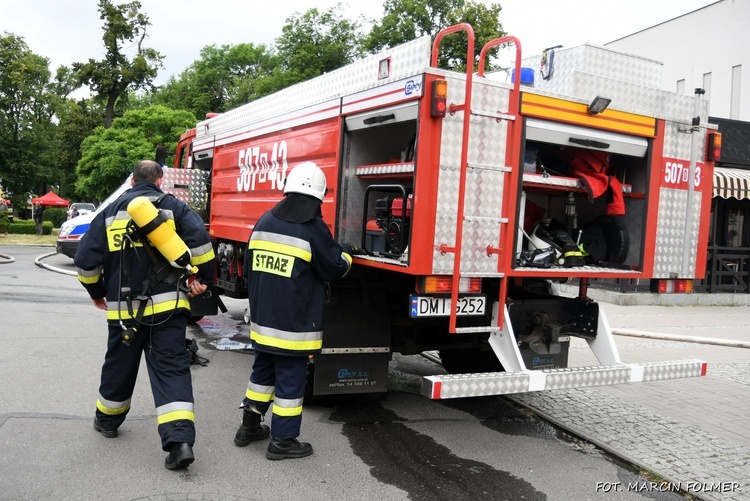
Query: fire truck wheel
{"x": 471, "y": 360}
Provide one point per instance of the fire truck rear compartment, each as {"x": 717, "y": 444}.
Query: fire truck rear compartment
{"x": 553, "y": 194}
{"x": 379, "y": 158}
{"x": 379, "y": 169}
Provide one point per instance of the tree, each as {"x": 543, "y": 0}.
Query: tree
{"x": 78, "y": 119}
{"x": 223, "y": 78}
{"x": 113, "y": 77}
{"x": 108, "y": 155}
{"x": 314, "y": 43}
{"x": 484, "y": 20}
{"x": 406, "y": 20}
{"x": 27, "y": 100}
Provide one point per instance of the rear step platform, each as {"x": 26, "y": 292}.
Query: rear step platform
{"x": 504, "y": 383}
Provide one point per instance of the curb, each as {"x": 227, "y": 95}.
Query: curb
{"x": 685, "y": 339}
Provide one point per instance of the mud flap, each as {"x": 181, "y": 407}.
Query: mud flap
{"x": 351, "y": 373}
{"x": 356, "y": 339}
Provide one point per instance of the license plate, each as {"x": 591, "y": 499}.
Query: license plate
{"x": 428, "y": 306}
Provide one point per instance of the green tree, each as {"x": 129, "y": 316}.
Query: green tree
{"x": 113, "y": 77}
{"x": 314, "y": 43}
{"x": 27, "y": 106}
{"x": 406, "y": 20}
{"x": 108, "y": 155}
{"x": 78, "y": 119}
{"x": 223, "y": 78}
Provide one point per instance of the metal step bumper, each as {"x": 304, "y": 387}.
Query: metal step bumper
{"x": 504, "y": 383}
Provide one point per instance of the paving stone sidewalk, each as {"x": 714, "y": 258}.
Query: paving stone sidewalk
{"x": 698, "y": 462}
{"x": 693, "y": 433}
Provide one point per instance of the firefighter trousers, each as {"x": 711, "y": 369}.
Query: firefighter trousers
{"x": 168, "y": 364}
{"x": 278, "y": 380}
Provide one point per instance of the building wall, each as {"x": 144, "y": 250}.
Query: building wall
{"x": 707, "y": 48}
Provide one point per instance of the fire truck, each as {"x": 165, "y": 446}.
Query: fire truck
{"x": 473, "y": 197}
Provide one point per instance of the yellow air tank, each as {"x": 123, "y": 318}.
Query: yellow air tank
{"x": 162, "y": 236}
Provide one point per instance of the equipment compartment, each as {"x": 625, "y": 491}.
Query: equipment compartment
{"x": 564, "y": 200}
{"x": 377, "y": 185}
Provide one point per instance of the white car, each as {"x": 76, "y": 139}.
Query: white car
{"x": 82, "y": 208}
{"x": 73, "y": 229}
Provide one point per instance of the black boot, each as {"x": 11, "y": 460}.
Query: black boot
{"x": 250, "y": 429}
{"x": 179, "y": 457}
{"x": 283, "y": 448}
{"x": 105, "y": 433}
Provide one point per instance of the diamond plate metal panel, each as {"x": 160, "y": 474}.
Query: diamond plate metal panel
{"x": 637, "y": 99}
{"x": 659, "y": 371}
{"x": 448, "y": 181}
{"x": 485, "y": 180}
{"x": 477, "y": 385}
{"x": 189, "y": 185}
{"x": 503, "y": 383}
{"x": 670, "y": 232}
{"x": 580, "y": 377}
{"x": 678, "y": 142}
{"x": 406, "y": 60}
{"x": 597, "y": 60}
{"x": 632, "y": 82}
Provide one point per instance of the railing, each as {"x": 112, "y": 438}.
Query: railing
{"x": 728, "y": 270}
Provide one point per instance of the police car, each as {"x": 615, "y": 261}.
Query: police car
{"x": 82, "y": 208}
{"x": 73, "y": 229}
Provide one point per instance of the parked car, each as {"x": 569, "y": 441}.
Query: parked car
{"x": 82, "y": 208}
{"x": 72, "y": 230}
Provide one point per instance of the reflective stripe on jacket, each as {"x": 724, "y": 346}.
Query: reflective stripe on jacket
{"x": 287, "y": 265}
{"x": 100, "y": 258}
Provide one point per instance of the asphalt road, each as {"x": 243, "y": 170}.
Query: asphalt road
{"x": 390, "y": 447}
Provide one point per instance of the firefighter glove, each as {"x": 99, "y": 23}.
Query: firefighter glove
{"x": 352, "y": 249}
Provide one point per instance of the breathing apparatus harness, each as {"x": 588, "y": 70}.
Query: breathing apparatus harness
{"x": 161, "y": 272}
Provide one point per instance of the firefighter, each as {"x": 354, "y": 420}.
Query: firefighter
{"x": 291, "y": 254}
{"x": 147, "y": 305}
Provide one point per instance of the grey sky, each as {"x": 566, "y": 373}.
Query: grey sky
{"x": 70, "y": 30}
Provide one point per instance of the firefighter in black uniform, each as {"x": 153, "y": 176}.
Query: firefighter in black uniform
{"x": 148, "y": 310}
{"x": 291, "y": 254}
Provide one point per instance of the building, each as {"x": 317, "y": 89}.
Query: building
{"x": 708, "y": 49}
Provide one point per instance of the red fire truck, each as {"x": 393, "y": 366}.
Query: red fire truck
{"x": 473, "y": 197}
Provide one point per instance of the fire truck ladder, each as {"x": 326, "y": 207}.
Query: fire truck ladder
{"x": 510, "y": 171}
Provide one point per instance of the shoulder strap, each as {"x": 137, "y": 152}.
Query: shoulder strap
{"x": 156, "y": 199}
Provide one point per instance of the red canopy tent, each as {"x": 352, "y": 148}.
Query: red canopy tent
{"x": 50, "y": 199}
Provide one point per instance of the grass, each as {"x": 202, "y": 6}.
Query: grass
{"x": 12, "y": 239}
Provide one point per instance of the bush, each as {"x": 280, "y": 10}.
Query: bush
{"x": 29, "y": 228}
{"x": 56, "y": 215}
{"x": 4, "y": 222}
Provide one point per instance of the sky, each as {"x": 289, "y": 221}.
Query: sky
{"x": 70, "y": 31}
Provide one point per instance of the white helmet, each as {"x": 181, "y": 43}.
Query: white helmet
{"x": 308, "y": 179}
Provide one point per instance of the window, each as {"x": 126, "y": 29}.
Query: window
{"x": 680, "y": 86}
{"x": 735, "y": 227}
{"x": 734, "y": 100}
